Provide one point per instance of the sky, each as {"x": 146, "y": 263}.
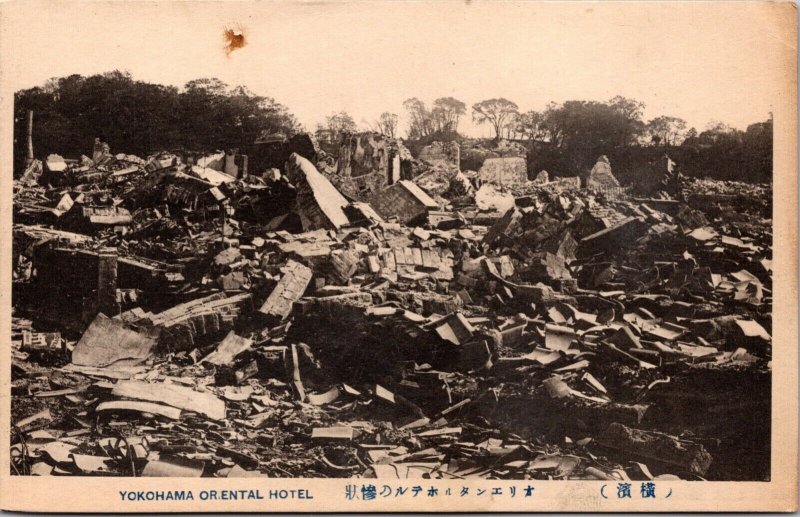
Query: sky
{"x": 698, "y": 61}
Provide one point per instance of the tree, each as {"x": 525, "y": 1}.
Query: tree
{"x": 531, "y": 125}
{"x": 387, "y": 124}
{"x": 553, "y": 124}
{"x": 442, "y": 118}
{"x": 510, "y": 125}
{"x": 495, "y": 112}
{"x": 322, "y": 134}
{"x": 420, "y": 123}
{"x": 580, "y": 131}
{"x": 727, "y": 153}
{"x": 717, "y": 132}
{"x": 446, "y": 113}
{"x": 715, "y": 126}
{"x": 215, "y": 116}
{"x": 666, "y": 130}
{"x": 212, "y": 86}
{"x": 631, "y": 110}
{"x": 338, "y": 124}
{"x": 757, "y": 149}
{"x": 690, "y": 138}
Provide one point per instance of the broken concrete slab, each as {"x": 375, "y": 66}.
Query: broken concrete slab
{"x": 187, "y": 324}
{"x": 228, "y": 349}
{"x": 181, "y": 397}
{"x": 175, "y": 466}
{"x": 454, "y": 328}
{"x": 109, "y": 342}
{"x": 404, "y": 201}
{"x": 290, "y": 288}
{"x": 114, "y": 406}
{"x": 319, "y": 203}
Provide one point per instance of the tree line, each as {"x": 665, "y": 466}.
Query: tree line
{"x": 206, "y": 114}
{"x": 138, "y": 117}
{"x": 566, "y": 139}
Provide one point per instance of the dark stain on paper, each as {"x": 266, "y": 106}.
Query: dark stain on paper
{"x": 234, "y": 39}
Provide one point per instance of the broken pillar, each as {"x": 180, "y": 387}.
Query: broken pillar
{"x": 235, "y": 164}
{"x": 402, "y": 162}
{"x": 394, "y": 170}
{"x": 107, "y": 282}
{"x": 29, "y": 140}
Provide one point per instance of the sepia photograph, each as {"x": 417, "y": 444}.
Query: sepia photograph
{"x": 395, "y": 243}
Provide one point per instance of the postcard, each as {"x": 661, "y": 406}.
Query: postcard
{"x": 365, "y": 256}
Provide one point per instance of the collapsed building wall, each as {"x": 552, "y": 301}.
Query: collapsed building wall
{"x": 367, "y": 163}
{"x": 272, "y": 151}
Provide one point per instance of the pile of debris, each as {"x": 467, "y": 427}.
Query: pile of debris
{"x": 729, "y": 198}
{"x": 179, "y": 316}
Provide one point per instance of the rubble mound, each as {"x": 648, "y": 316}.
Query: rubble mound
{"x": 181, "y": 315}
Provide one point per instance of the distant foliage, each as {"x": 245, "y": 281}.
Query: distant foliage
{"x": 499, "y": 113}
{"x": 387, "y": 124}
{"x": 722, "y": 152}
{"x": 566, "y": 139}
{"x": 443, "y": 118}
{"x": 138, "y": 117}
{"x": 206, "y": 114}
{"x": 336, "y": 124}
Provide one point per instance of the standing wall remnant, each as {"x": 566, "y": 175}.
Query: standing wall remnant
{"x": 368, "y": 162}
{"x": 504, "y": 171}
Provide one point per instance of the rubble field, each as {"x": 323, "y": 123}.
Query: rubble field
{"x": 378, "y": 315}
